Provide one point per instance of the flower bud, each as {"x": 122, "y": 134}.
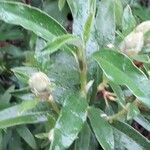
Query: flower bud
{"x": 39, "y": 84}
{"x": 143, "y": 27}
{"x": 133, "y": 43}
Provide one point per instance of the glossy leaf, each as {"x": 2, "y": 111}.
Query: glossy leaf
{"x": 24, "y": 113}
{"x": 142, "y": 58}
{"x": 69, "y": 123}
{"x": 5, "y": 98}
{"x": 31, "y": 19}
{"x": 51, "y": 8}
{"x": 25, "y": 133}
{"x": 105, "y": 22}
{"x": 133, "y": 111}
{"x": 83, "y": 141}
{"x": 65, "y": 77}
{"x": 23, "y": 73}
{"x": 101, "y": 128}
{"x": 118, "y": 11}
{"x": 143, "y": 122}
{"x": 132, "y": 133}
{"x": 81, "y": 11}
{"x": 118, "y": 91}
{"x": 78, "y": 7}
{"x": 61, "y": 4}
{"x": 58, "y": 42}
{"x": 87, "y": 27}
{"x": 128, "y": 20}
{"x": 119, "y": 69}
{"x": 124, "y": 142}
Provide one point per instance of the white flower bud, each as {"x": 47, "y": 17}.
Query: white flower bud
{"x": 39, "y": 84}
{"x": 133, "y": 43}
{"x": 143, "y": 27}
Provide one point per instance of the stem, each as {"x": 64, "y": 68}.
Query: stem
{"x": 120, "y": 113}
{"x": 83, "y": 71}
{"x": 53, "y": 104}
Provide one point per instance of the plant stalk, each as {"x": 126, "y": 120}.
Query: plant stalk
{"x": 83, "y": 71}
{"x": 120, "y": 113}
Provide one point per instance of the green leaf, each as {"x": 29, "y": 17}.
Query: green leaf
{"x": 133, "y": 111}
{"x": 78, "y": 7}
{"x": 24, "y": 73}
{"x": 1, "y": 140}
{"x": 61, "y": 4}
{"x": 51, "y": 8}
{"x": 42, "y": 135}
{"x": 132, "y": 133}
{"x": 124, "y": 142}
{"x": 143, "y": 122}
{"x": 142, "y": 58}
{"x": 119, "y": 69}
{"x": 128, "y": 20}
{"x": 5, "y": 98}
{"x": 11, "y": 34}
{"x": 15, "y": 142}
{"x": 58, "y": 42}
{"x": 87, "y": 27}
{"x": 101, "y": 128}
{"x": 69, "y": 123}
{"x": 64, "y": 73}
{"x": 31, "y": 19}
{"x": 105, "y": 22}
{"x": 83, "y": 141}
{"x": 24, "y": 113}
{"x": 81, "y": 10}
{"x": 118, "y": 91}
{"x": 118, "y": 11}
{"x": 25, "y": 133}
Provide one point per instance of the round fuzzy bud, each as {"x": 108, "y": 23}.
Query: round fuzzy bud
{"x": 39, "y": 84}
{"x": 143, "y": 27}
{"x": 133, "y": 43}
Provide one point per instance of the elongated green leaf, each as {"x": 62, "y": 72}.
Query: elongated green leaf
{"x": 81, "y": 10}
{"x": 142, "y": 58}
{"x": 25, "y": 133}
{"x": 119, "y": 69}
{"x": 143, "y": 122}
{"x": 124, "y": 142}
{"x": 58, "y": 42}
{"x": 5, "y": 98}
{"x": 101, "y": 128}
{"x": 61, "y": 4}
{"x": 132, "y": 133}
{"x": 118, "y": 11}
{"x": 128, "y": 20}
{"x": 24, "y": 113}
{"x": 118, "y": 91}
{"x": 87, "y": 27}
{"x": 23, "y": 73}
{"x": 1, "y": 140}
{"x": 69, "y": 123}
{"x": 133, "y": 111}
{"x": 105, "y": 22}
{"x": 83, "y": 142}
{"x": 31, "y": 19}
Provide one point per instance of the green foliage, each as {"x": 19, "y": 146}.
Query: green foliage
{"x": 95, "y": 92}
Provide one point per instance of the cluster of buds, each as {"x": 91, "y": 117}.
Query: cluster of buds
{"x": 39, "y": 84}
{"x": 133, "y": 42}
